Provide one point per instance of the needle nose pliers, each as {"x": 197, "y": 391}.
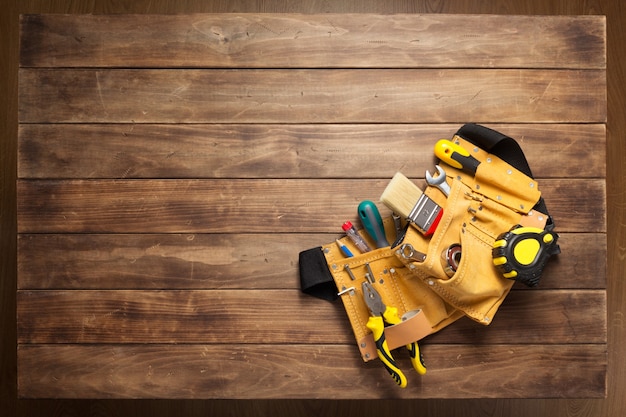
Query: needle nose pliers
{"x": 382, "y": 315}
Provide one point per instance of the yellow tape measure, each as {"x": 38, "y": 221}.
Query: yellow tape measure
{"x": 522, "y": 252}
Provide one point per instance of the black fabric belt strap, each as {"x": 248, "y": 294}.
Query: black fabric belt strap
{"x": 315, "y": 278}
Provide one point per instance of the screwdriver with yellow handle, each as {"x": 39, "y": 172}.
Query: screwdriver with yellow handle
{"x": 381, "y": 314}
{"x": 456, "y": 156}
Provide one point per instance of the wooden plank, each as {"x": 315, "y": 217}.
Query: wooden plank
{"x": 312, "y": 96}
{"x": 255, "y": 316}
{"x": 269, "y": 153}
{"x": 243, "y": 206}
{"x": 220, "y": 316}
{"x": 318, "y": 40}
{"x": 271, "y": 371}
{"x": 535, "y": 317}
{"x": 173, "y": 261}
{"x": 229, "y": 261}
{"x": 282, "y": 151}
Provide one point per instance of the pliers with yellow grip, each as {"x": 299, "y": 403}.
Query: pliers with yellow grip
{"x": 382, "y": 315}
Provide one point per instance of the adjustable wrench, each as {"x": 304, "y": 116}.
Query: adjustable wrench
{"x": 439, "y": 181}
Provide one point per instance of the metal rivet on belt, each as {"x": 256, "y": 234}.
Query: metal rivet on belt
{"x": 326, "y": 250}
{"x": 488, "y": 160}
{"x": 509, "y": 172}
{"x": 532, "y": 185}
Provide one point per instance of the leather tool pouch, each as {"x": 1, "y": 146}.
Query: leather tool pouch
{"x": 427, "y": 292}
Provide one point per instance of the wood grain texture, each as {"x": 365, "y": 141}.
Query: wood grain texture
{"x": 232, "y": 261}
{"x": 243, "y": 206}
{"x": 161, "y": 196}
{"x": 281, "y": 151}
{"x": 253, "y": 316}
{"x": 613, "y": 406}
{"x": 312, "y": 96}
{"x": 327, "y": 40}
{"x": 265, "y": 371}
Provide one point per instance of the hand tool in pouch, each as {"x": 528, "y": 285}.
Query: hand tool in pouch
{"x": 373, "y": 223}
{"x": 439, "y": 181}
{"x": 406, "y": 199}
{"x": 355, "y": 237}
{"x": 492, "y": 190}
{"x": 382, "y": 314}
{"x": 456, "y": 156}
{"x": 521, "y": 253}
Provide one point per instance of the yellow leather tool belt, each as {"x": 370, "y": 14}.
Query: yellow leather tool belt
{"x": 434, "y": 279}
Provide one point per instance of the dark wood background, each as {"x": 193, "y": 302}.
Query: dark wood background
{"x": 614, "y": 405}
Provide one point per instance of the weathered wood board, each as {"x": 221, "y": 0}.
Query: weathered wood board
{"x": 170, "y": 169}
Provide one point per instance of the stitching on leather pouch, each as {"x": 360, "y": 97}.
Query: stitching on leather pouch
{"x": 339, "y": 276}
{"x": 453, "y": 200}
{"x": 499, "y": 218}
{"x": 350, "y": 304}
{"x": 434, "y": 283}
{"x": 448, "y": 296}
{"x": 362, "y": 259}
{"x": 394, "y": 282}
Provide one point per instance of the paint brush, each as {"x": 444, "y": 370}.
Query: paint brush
{"x": 406, "y": 199}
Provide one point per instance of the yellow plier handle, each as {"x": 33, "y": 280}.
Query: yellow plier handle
{"x": 377, "y": 326}
{"x": 382, "y": 314}
{"x": 391, "y": 316}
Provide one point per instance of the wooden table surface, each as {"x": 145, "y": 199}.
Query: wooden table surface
{"x": 170, "y": 169}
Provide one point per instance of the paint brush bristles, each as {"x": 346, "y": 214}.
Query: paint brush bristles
{"x": 401, "y": 195}
{"x": 404, "y": 198}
